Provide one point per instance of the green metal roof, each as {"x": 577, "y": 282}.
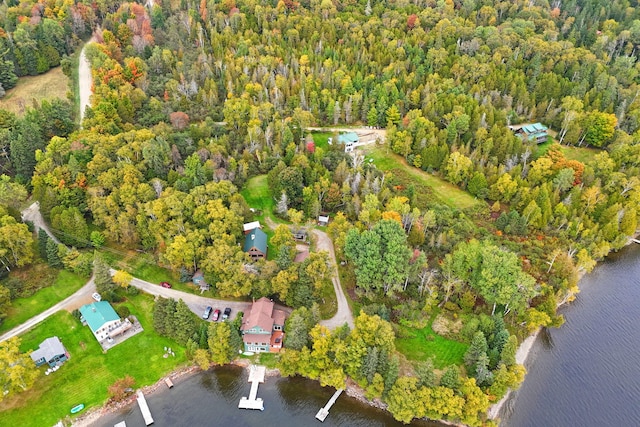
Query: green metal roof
{"x": 98, "y": 313}
{"x": 256, "y": 238}
{"x": 348, "y": 137}
{"x": 534, "y": 128}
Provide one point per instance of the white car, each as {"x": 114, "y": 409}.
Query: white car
{"x": 96, "y": 296}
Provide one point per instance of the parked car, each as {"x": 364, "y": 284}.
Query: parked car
{"x": 207, "y": 312}
{"x": 96, "y": 296}
{"x": 165, "y": 285}
{"x": 227, "y": 312}
{"x": 216, "y": 315}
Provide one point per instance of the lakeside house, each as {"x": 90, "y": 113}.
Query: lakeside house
{"x": 50, "y": 351}
{"x": 103, "y": 320}
{"x": 255, "y": 244}
{"x": 263, "y": 327}
{"x": 531, "y": 132}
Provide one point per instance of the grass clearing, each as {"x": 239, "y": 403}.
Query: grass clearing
{"x": 85, "y": 377}
{"x": 422, "y": 344}
{"x": 321, "y": 139}
{"x": 258, "y": 196}
{"x": 581, "y": 154}
{"x": 426, "y": 185}
{"x": 22, "y": 309}
{"x": 30, "y": 89}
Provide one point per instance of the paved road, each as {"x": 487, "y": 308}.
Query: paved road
{"x": 32, "y": 213}
{"x": 344, "y": 314}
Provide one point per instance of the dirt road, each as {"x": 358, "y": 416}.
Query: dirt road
{"x": 84, "y": 80}
{"x": 344, "y": 314}
{"x": 32, "y": 213}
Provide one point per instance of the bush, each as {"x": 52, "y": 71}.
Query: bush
{"x": 76, "y": 313}
{"x": 452, "y": 307}
{"x": 123, "y": 311}
{"x": 133, "y": 291}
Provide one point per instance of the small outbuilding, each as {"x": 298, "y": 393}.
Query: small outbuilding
{"x": 198, "y": 280}
{"x": 251, "y": 226}
{"x": 50, "y": 351}
{"x": 323, "y": 220}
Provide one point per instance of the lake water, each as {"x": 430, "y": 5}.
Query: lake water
{"x": 211, "y": 399}
{"x": 587, "y": 373}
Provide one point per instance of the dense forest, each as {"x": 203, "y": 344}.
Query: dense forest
{"x": 192, "y": 99}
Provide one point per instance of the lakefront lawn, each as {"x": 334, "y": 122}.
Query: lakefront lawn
{"x": 85, "y": 377}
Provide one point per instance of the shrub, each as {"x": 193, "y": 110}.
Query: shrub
{"x": 123, "y": 311}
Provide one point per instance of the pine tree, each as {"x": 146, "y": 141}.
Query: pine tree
{"x": 43, "y": 239}
{"x": 53, "y": 257}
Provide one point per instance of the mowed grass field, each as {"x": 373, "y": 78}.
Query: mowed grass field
{"x": 442, "y": 190}
{"x": 257, "y": 195}
{"x": 22, "y": 309}
{"x": 581, "y": 154}
{"x": 50, "y": 85}
{"x": 85, "y": 377}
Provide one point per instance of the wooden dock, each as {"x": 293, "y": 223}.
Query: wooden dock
{"x": 144, "y": 408}
{"x": 256, "y": 376}
{"x": 635, "y": 240}
{"x": 323, "y": 413}
{"x": 121, "y": 424}
{"x": 168, "y": 382}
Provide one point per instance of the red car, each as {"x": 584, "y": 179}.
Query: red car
{"x": 216, "y": 315}
{"x": 165, "y": 284}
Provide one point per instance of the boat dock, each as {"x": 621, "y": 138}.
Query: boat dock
{"x": 323, "y": 413}
{"x": 635, "y": 240}
{"x": 121, "y": 424}
{"x": 144, "y": 408}
{"x": 256, "y": 376}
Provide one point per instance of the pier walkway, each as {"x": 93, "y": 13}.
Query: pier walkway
{"x": 256, "y": 376}
{"x": 323, "y": 413}
{"x": 144, "y": 408}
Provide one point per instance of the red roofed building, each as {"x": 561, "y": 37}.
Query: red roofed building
{"x": 263, "y": 327}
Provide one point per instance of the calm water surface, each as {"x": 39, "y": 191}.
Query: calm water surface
{"x": 211, "y": 399}
{"x": 587, "y": 373}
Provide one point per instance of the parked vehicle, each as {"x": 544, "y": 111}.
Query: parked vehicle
{"x": 207, "y": 312}
{"x": 165, "y": 285}
{"x": 96, "y": 296}
{"x": 227, "y": 312}
{"x": 216, "y": 315}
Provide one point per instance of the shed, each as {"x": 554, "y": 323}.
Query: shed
{"x": 323, "y": 220}
{"x": 198, "y": 280}
{"x": 250, "y": 226}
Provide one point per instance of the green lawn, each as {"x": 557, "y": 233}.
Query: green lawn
{"x": 581, "y": 154}
{"x": 85, "y": 377}
{"x": 65, "y": 284}
{"x": 426, "y": 185}
{"x": 422, "y": 344}
{"x": 321, "y": 139}
{"x": 256, "y": 193}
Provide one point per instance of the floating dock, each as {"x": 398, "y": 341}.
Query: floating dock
{"x": 144, "y": 408}
{"x": 256, "y": 376}
{"x": 323, "y": 413}
{"x": 635, "y": 240}
{"x": 168, "y": 382}
{"x": 121, "y": 424}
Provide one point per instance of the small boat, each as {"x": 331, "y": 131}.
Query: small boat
{"x": 77, "y": 408}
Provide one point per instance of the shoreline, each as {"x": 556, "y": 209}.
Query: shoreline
{"x": 525, "y": 347}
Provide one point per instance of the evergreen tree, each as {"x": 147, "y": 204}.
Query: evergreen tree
{"x": 43, "y": 239}
{"x": 53, "y": 256}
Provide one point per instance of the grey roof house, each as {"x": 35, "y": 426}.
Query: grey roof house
{"x": 51, "y": 351}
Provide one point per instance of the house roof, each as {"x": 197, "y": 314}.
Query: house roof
{"x": 98, "y": 313}
{"x": 251, "y": 225}
{"x": 259, "y": 338}
{"x": 260, "y": 315}
{"x": 534, "y": 128}
{"x": 256, "y": 238}
{"x": 278, "y": 317}
{"x": 48, "y": 349}
{"x": 348, "y": 137}
{"x": 275, "y": 336}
